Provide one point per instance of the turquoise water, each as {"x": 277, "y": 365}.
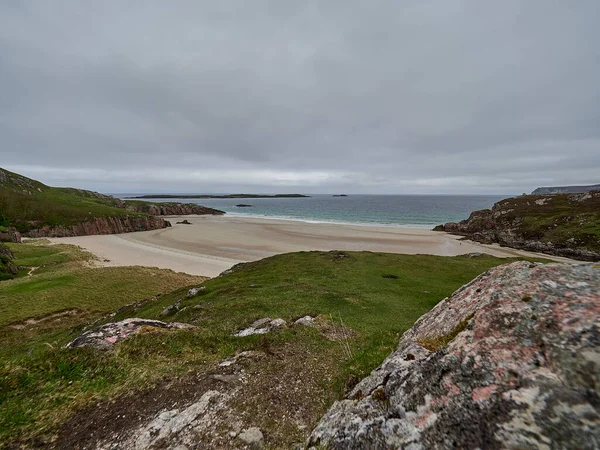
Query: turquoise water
{"x": 423, "y": 211}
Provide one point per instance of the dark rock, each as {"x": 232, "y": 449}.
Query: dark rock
{"x": 172, "y": 209}
{"x": 6, "y": 261}
{"x": 10, "y": 236}
{"x": 102, "y": 225}
{"x": 105, "y": 336}
{"x": 172, "y": 309}
{"x": 243, "y": 205}
{"x": 486, "y": 369}
{"x": 184, "y": 222}
{"x": 438, "y": 228}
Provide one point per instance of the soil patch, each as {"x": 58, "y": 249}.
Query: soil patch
{"x": 282, "y": 391}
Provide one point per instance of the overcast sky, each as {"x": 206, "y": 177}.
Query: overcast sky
{"x": 301, "y": 96}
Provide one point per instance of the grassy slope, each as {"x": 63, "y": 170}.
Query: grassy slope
{"x": 558, "y": 220}
{"x": 23, "y": 200}
{"x": 32, "y": 366}
{"x": 41, "y": 383}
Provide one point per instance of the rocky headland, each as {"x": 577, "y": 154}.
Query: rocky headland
{"x": 170, "y": 209}
{"x": 36, "y": 210}
{"x": 511, "y": 360}
{"x": 100, "y": 225}
{"x": 565, "y": 189}
{"x": 563, "y": 224}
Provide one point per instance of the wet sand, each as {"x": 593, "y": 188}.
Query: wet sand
{"x": 212, "y": 244}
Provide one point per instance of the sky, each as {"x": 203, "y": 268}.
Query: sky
{"x": 330, "y": 96}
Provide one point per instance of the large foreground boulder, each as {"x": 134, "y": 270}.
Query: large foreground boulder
{"x": 511, "y": 360}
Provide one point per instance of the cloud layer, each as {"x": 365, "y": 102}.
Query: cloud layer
{"x": 272, "y": 96}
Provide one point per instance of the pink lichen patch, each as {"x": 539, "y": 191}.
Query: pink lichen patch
{"x": 450, "y": 386}
{"x": 424, "y": 420}
{"x": 481, "y": 394}
{"x": 111, "y": 339}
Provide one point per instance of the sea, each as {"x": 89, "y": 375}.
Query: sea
{"x": 420, "y": 211}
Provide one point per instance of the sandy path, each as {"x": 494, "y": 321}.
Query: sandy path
{"x": 214, "y": 243}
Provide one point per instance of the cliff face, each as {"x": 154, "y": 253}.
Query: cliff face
{"x": 565, "y": 189}
{"x": 171, "y": 209}
{"x": 102, "y": 225}
{"x": 510, "y": 360}
{"x": 563, "y": 225}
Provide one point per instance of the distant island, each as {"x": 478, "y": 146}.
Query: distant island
{"x": 222, "y": 196}
{"x": 340, "y": 195}
{"x": 565, "y": 189}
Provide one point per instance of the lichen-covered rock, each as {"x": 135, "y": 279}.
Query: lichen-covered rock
{"x": 307, "y": 321}
{"x": 510, "y": 360}
{"x": 251, "y": 436}
{"x": 562, "y": 225}
{"x": 261, "y": 326}
{"x": 105, "y": 336}
{"x": 170, "y": 427}
{"x": 195, "y": 290}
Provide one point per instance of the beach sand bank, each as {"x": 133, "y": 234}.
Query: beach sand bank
{"x": 212, "y": 244}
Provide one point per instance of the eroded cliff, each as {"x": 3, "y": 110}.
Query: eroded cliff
{"x": 101, "y": 225}
{"x": 564, "y": 224}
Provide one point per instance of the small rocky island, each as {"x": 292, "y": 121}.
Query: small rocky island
{"x": 163, "y": 196}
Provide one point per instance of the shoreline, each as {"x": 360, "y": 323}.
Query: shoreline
{"x": 212, "y": 244}
{"x": 333, "y": 222}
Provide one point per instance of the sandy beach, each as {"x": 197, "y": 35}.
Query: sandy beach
{"x": 212, "y": 244}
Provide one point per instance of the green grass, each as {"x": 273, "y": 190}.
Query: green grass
{"x": 42, "y": 384}
{"x": 561, "y": 219}
{"x": 29, "y": 204}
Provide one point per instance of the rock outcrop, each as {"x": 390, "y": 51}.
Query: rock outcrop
{"x": 7, "y": 267}
{"x": 102, "y": 225}
{"x": 510, "y": 360}
{"x": 105, "y": 336}
{"x": 261, "y": 326}
{"x": 563, "y": 225}
{"x": 171, "y": 209}
{"x": 10, "y": 236}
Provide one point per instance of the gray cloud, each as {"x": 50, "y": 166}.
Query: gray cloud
{"x": 392, "y": 97}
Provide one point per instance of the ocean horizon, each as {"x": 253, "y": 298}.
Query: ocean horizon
{"x": 418, "y": 211}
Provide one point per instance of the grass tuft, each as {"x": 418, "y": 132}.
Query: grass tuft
{"x": 437, "y": 342}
